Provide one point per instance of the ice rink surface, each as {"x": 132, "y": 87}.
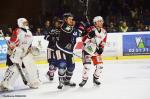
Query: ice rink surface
{"x": 121, "y": 79}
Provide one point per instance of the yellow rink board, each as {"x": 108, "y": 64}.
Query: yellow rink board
{"x": 104, "y": 58}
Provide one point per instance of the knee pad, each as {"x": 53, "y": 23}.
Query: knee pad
{"x": 52, "y": 64}
{"x": 86, "y": 59}
{"x": 51, "y": 67}
{"x": 62, "y": 64}
{"x": 61, "y": 72}
{"x": 70, "y": 67}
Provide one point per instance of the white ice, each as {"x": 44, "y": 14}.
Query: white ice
{"x": 121, "y": 79}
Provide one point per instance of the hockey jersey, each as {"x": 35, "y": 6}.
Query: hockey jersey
{"x": 67, "y": 38}
{"x": 21, "y": 38}
{"x": 52, "y": 37}
{"x": 90, "y": 44}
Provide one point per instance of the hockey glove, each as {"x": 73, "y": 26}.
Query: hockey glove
{"x": 91, "y": 34}
{"x": 99, "y": 50}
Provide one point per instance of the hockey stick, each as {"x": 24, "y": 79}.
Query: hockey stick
{"x": 86, "y": 4}
{"x": 86, "y": 10}
{"x": 19, "y": 68}
{"x": 22, "y": 74}
{"x": 68, "y": 52}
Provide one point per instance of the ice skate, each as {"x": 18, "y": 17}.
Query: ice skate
{"x": 68, "y": 83}
{"x": 82, "y": 83}
{"x": 95, "y": 81}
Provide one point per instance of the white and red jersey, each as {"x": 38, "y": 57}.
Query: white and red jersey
{"x": 21, "y": 38}
{"x": 98, "y": 40}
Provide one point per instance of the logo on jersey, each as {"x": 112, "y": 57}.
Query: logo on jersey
{"x": 27, "y": 35}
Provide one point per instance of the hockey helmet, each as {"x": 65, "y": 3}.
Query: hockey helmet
{"x": 97, "y": 18}
{"x": 20, "y": 22}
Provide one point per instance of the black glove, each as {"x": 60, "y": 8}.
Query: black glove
{"x": 91, "y": 34}
{"x": 99, "y": 50}
{"x": 83, "y": 33}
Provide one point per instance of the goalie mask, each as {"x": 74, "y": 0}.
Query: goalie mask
{"x": 23, "y": 23}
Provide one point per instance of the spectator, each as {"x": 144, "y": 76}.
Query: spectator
{"x": 123, "y": 27}
{"x": 46, "y": 28}
{"x": 146, "y": 28}
{"x": 7, "y": 31}
{"x": 139, "y": 26}
{"x": 134, "y": 13}
{"x": 112, "y": 28}
{"x": 38, "y": 31}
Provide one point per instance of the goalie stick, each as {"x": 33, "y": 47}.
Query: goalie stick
{"x": 18, "y": 66}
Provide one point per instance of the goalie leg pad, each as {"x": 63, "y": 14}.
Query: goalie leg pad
{"x": 31, "y": 71}
{"x": 10, "y": 77}
{"x": 16, "y": 55}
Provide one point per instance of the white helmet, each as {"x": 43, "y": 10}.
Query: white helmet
{"x": 97, "y": 18}
{"x": 20, "y": 22}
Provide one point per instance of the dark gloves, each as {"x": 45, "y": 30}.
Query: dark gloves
{"x": 91, "y": 34}
{"x": 99, "y": 50}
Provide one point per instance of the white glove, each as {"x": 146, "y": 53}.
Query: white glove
{"x": 35, "y": 51}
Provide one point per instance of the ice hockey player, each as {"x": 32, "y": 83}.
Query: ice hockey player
{"x": 21, "y": 45}
{"x": 65, "y": 44}
{"x": 94, "y": 41}
{"x": 52, "y": 50}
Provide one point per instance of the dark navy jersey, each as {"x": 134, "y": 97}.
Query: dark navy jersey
{"x": 67, "y": 37}
{"x": 52, "y": 37}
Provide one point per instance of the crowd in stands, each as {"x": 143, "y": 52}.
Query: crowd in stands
{"x": 125, "y": 15}
{"x": 119, "y": 16}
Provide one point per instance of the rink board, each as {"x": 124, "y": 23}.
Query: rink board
{"x": 78, "y": 60}
{"x": 130, "y": 45}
